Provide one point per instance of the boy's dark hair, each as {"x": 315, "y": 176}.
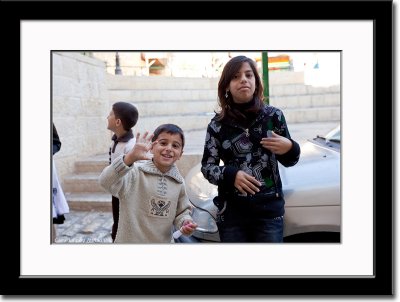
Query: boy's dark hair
{"x": 127, "y": 113}
{"x": 171, "y": 129}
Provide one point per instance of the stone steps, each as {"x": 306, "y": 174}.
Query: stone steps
{"x": 158, "y": 108}
{"x": 190, "y": 122}
{"x": 159, "y": 83}
{"x": 95, "y": 163}
{"x": 82, "y": 189}
{"x": 313, "y": 114}
{"x": 82, "y": 182}
{"x": 319, "y": 100}
{"x": 161, "y": 100}
{"x": 163, "y": 95}
{"x": 204, "y": 107}
{"x": 170, "y": 83}
{"x": 87, "y": 201}
{"x": 199, "y": 121}
{"x": 190, "y": 102}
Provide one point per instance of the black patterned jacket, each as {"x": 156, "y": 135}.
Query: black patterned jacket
{"x": 239, "y": 148}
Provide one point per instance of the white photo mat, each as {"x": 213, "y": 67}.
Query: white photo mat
{"x": 353, "y": 257}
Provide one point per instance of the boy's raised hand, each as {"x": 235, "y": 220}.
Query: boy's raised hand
{"x": 141, "y": 149}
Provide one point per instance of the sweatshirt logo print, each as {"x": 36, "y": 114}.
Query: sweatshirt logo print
{"x": 159, "y": 207}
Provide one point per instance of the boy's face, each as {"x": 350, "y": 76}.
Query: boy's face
{"x": 112, "y": 121}
{"x": 167, "y": 150}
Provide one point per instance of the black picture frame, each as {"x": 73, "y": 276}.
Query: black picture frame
{"x": 381, "y": 283}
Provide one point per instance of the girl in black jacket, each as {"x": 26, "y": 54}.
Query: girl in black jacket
{"x": 250, "y": 138}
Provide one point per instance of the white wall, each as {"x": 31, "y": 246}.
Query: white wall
{"x": 80, "y": 107}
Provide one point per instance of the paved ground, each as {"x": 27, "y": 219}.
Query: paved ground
{"x": 85, "y": 227}
{"x": 95, "y": 227}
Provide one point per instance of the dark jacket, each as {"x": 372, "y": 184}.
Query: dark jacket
{"x": 56, "y": 141}
{"x": 238, "y": 146}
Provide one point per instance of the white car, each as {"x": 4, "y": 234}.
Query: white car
{"x": 311, "y": 189}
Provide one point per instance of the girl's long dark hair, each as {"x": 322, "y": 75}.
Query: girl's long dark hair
{"x": 229, "y": 71}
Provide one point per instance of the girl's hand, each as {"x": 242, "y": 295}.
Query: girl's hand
{"x": 276, "y": 144}
{"x": 140, "y": 150}
{"x": 188, "y": 227}
{"x": 246, "y": 183}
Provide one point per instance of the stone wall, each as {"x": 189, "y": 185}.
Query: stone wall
{"x": 80, "y": 107}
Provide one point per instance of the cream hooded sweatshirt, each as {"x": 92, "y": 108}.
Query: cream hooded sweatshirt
{"x": 151, "y": 202}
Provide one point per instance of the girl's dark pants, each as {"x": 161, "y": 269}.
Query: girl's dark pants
{"x": 251, "y": 221}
